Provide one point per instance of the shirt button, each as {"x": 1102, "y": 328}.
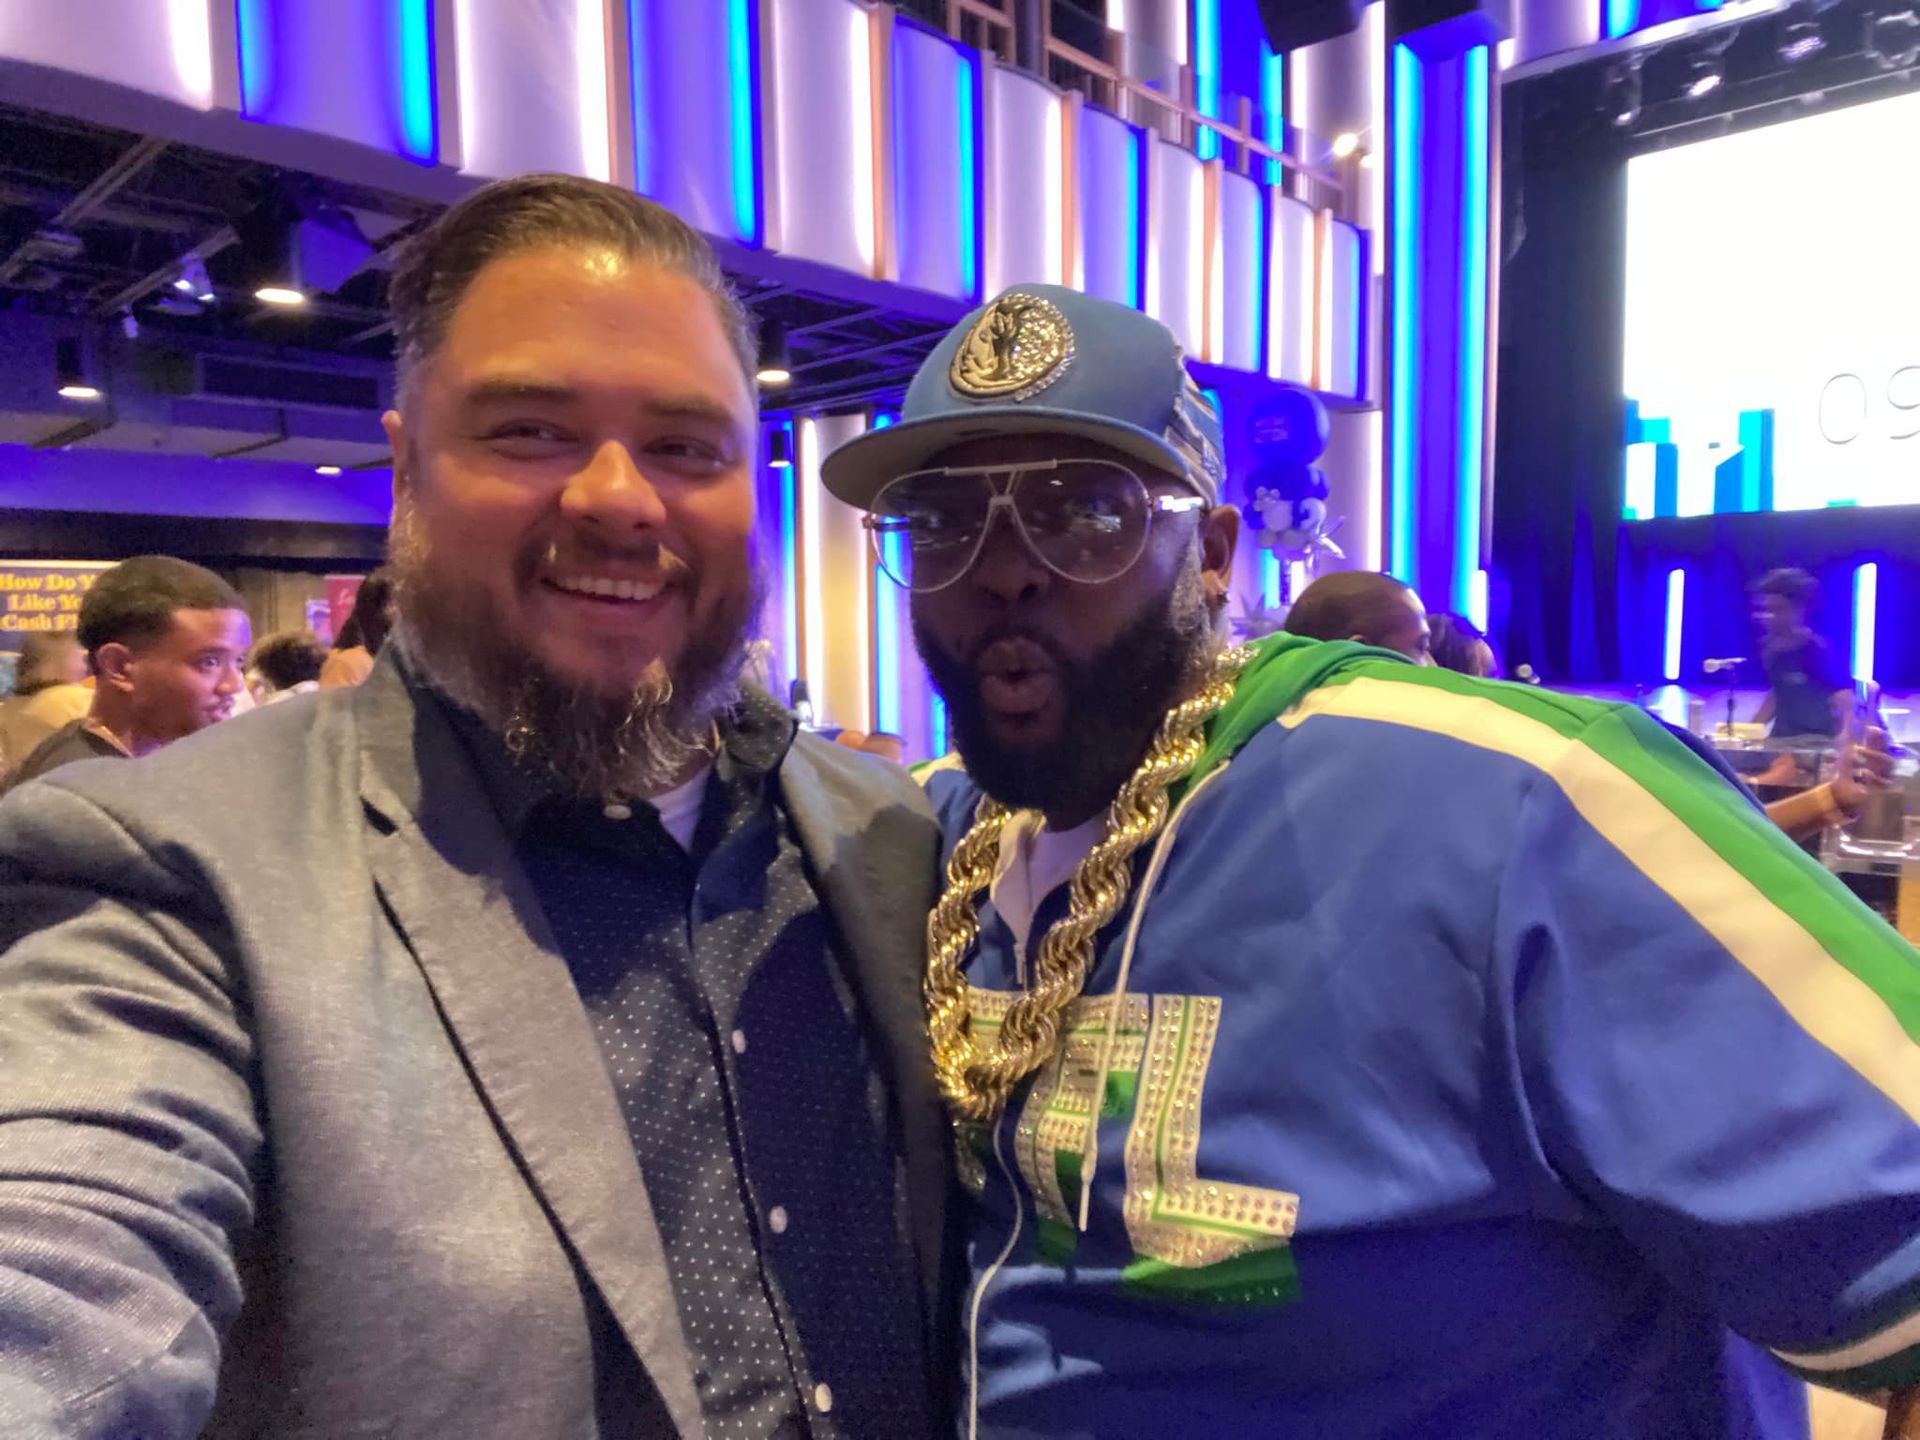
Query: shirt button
{"x": 617, "y": 811}
{"x": 777, "y": 1219}
{"x": 823, "y": 1399}
{"x": 739, "y": 1042}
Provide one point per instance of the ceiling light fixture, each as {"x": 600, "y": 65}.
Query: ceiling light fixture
{"x": 1893, "y": 38}
{"x": 70, "y": 366}
{"x": 776, "y": 361}
{"x": 1344, "y": 144}
{"x": 780, "y": 449}
{"x": 1800, "y": 40}
{"x": 1622, "y": 93}
{"x": 1705, "y": 74}
{"x": 326, "y": 469}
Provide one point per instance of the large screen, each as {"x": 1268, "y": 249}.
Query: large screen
{"x": 1773, "y": 318}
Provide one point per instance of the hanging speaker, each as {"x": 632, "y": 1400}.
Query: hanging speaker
{"x": 1440, "y": 29}
{"x": 1292, "y": 24}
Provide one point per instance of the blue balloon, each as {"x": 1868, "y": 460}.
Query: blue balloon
{"x": 1289, "y": 425}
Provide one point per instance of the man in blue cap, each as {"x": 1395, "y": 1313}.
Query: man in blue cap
{"x": 1342, "y": 1047}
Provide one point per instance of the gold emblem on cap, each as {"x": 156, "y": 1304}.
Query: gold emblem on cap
{"x": 1020, "y": 345}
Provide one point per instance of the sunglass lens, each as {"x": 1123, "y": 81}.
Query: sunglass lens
{"x": 1087, "y": 519}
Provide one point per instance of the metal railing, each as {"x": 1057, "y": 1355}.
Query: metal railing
{"x": 1007, "y": 29}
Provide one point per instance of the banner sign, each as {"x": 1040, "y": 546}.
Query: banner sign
{"x": 41, "y": 595}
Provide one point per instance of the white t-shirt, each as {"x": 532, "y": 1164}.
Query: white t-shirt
{"x": 1034, "y": 862}
{"x": 680, "y": 807}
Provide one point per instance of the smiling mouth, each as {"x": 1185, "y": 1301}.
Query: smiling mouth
{"x": 608, "y": 588}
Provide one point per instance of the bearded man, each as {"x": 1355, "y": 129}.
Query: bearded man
{"x": 1341, "y": 1046}
{"x": 518, "y": 1044}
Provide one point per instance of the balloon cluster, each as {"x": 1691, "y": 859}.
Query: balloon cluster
{"x": 1287, "y": 506}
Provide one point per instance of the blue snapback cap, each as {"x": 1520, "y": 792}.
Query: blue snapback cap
{"x": 1044, "y": 360}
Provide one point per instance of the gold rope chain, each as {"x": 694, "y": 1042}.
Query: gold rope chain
{"x": 978, "y": 1078}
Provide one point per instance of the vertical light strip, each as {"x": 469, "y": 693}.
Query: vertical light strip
{"x": 1622, "y": 16}
{"x": 1296, "y": 577}
{"x": 1273, "y": 106}
{"x": 860, "y": 49}
{"x": 1150, "y": 226}
{"x": 255, "y": 27}
{"x": 418, "y": 120}
{"x": 1203, "y": 276}
{"x": 590, "y": 84}
{"x": 969, "y": 177}
{"x": 937, "y": 727}
{"x": 1135, "y": 220}
{"x": 1676, "y": 612}
{"x": 813, "y": 620}
{"x": 1375, "y": 29}
{"x": 1403, "y": 461}
{"x": 790, "y": 601}
{"x": 887, "y": 600}
{"x": 1473, "y": 321}
{"x": 1371, "y": 432}
{"x": 1866, "y": 600}
{"x": 1206, "y": 74}
{"x": 1307, "y": 336}
{"x": 746, "y": 147}
{"x": 639, "y": 54}
{"x": 1262, "y": 318}
{"x": 1269, "y": 580}
{"x": 1326, "y": 317}
{"x": 190, "y": 41}
{"x": 1054, "y": 197}
{"x": 465, "y": 41}
{"x": 1476, "y": 610}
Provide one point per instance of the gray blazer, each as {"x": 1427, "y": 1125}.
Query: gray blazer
{"x": 281, "y": 1024}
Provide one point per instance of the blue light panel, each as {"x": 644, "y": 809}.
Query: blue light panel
{"x": 643, "y": 178}
{"x": 1136, "y": 223}
{"x": 1473, "y": 324}
{"x": 1206, "y": 74}
{"x": 1409, "y": 126}
{"x": 969, "y": 180}
{"x": 937, "y": 727}
{"x": 1269, "y": 580}
{"x": 887, "y": 599}
{"x": 1273, "y": 105}
{"x": 418, "y": 138}
{"x": 1620, "y": 16}
{"x": 253, "y": 19}
{"x": 746, "y": 201}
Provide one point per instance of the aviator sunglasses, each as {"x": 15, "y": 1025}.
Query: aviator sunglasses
{"x": 1085, "y": 520}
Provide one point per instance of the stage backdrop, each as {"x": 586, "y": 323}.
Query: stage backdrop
{"x": 1737, "y": 415}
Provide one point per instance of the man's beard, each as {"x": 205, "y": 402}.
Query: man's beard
{"x": 587, "y": 741}
{"x": 1114, "y": 702}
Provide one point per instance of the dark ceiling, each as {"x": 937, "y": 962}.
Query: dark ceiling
{"x": 96, "y": 223}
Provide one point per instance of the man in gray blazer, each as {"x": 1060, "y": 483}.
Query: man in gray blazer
{"x": 526, "y": 1043}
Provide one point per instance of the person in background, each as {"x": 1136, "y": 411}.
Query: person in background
{"x": 289, "y": 663}
{"x": 1808, "y": 693}
{"x": 1459, "y": 645}
{"x": 48, "y": 692}
{"x": 1362, "y": 605}
{"x": 886, "y": 745}
{"x": 167, "y": 641}
{"x": 364, "y": 633}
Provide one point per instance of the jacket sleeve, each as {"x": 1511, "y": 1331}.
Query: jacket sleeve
{"x": 1716, "y": 1045}
{"x": 128, "y": 1128}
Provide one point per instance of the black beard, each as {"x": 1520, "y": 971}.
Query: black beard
{"x": 585, "y": 741}
{"x": 1114, "y": 704}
